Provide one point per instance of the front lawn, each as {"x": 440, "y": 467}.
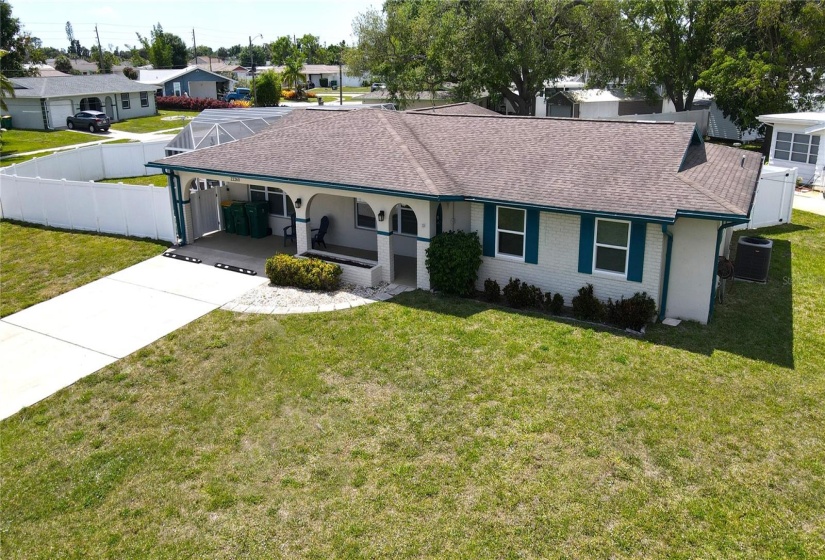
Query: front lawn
{"x": 436, "y": 427}
{"x": 38, "y": 263}
{"x": 156, "y": 123}
{"x": 20, "y": 141}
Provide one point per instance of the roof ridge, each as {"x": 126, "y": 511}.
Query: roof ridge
{"x": 408, "y": 155}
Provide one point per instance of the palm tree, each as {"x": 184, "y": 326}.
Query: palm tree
{"x": 6, "y": 87}
{"x": 292, "y": 71}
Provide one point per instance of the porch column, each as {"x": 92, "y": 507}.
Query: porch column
{"x": 303, "y": 235}
{"x": 386, "y": 256}
{"x": 188, "y": 223}
{"x": 422, "y": 277}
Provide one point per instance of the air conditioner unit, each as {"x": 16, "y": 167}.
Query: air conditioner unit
{"x": 753, "y": 259}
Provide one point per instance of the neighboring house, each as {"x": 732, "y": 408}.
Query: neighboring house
{"x": 192, "y": 81}
{"x": 418, "y": 100}
{"x": 594, "y": 104}
{"x": 624, "y": 206}
{"x": 45, "y": 70}
{"x": 44, "y": 103}
{"x": 798, "y": 140}
{"x": 315, "y": 73}
{"x": 218, "y": 66}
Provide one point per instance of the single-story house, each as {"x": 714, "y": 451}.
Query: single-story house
{"x": 798, "y": 140}
{"x": 418, "y": 100}
{"x": 192, "y": 81}
{"x": 44, "y": 103}
{"x": 315, "y": 73}
{"x": 218, "y": 66}
{"x": 625, "y": 206}
{"x": 595, "y": 103}
{"x": 45, "y": 70}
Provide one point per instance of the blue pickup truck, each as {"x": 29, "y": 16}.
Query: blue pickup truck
{"x": 241, "y": 94}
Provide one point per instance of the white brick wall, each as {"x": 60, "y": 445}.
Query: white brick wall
{"x": 422, "y": 275}
{"x": 557, "y": 269}
{"x": 386, "y": 257}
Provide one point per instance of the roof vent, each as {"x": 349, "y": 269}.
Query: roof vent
{"x": 753, "y": 259}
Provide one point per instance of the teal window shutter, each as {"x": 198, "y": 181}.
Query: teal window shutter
{"x": 489, "y": 238}
{"x": 587, "y": 231}
{"x": 636, "y": 259}
{"x": 531, "y": 253}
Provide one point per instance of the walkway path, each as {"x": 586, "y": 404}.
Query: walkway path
{"x": 811, "y": 201}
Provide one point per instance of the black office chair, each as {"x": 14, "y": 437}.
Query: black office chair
{"x": 318, "y": 238}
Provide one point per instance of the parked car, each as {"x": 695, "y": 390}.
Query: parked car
{"x": 378, "y": 85}
{"x": 241, "y": 94}
{"x": 94, "y": 121}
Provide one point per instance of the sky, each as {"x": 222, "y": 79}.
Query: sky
{"x": 216, "y": 23}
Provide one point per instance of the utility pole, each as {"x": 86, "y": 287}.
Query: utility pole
{"x": 195, "y": 47}
{"x": 100, "y": 52}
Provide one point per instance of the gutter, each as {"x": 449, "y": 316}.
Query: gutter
{"x": 715, "y": 265}
{"x": 666, "y": 281}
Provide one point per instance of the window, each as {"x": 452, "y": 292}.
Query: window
{"x": 124, "y": 100}
{"x": 510, "y": 227}
{"x": 144, "y": 99}
{"x": 279, "y": 203}
{"x": 801, "y": 148}
{"x": 91, "y": 104}
{"x": 176, "y": 88}
{"x": 364, "y": 216}
{"x": 404, "y": 222}
{"x": 611, "y": 246}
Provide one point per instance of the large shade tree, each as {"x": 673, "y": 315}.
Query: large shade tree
{"x": 21, "y": 48}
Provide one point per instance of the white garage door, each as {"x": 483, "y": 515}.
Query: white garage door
{"x": 59, "y": 110}
{"x": 203, "y": 89}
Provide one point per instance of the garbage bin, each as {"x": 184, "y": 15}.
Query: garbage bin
{"x": 5, "y": 122}
{"x": 258, "y": 214}
{"x": 226, "y": 215}
{"x": 239, "y": 218}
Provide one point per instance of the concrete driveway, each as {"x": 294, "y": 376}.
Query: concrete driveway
{"x": 53, "y": 344}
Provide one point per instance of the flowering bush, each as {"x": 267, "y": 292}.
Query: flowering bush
{"x": 310, "y": 95}
{"x": 288, "y": 94}
{"x": 180, "y": 103}
{"x": 240, "y": 103}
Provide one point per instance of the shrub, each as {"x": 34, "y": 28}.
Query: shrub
{"x": 453, "y": 259}
{"x": 309, "y": 274}
{"x": 288, "y": 94}
{"x": 520, "y": 294}
{"x": 492, "y": 291}
{"x": 246, "y": 104}
{"x": 554, "y": 303}
{"x": 586, "y": 306}
{"x": 633, "y": 312}
{"x": 311, "y": 95}
{"x": 181, "y": 103}
{"x": 268, "y": 91}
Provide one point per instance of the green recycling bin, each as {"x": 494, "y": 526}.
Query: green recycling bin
{"x": 258, "y": 214}
{"x": 5, "y": 122}
{"x": 239, "y": 218}
{"x": 228, "y": 220}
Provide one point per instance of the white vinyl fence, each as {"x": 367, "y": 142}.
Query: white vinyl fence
{"x": 61, "y": 193}
{"x": 698, "y": 116}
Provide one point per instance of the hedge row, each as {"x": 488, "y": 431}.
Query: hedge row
{"x": 309, "y": 274}
{"x": 182, "y": 103}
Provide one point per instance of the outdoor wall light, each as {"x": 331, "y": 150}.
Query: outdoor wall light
{"x": 381, "y": 216}
{"x": 297, "y": 203}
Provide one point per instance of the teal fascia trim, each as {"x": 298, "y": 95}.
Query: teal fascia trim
{"x": 733, "y": 218}
{"x": 666, "y": 281}
{"x": 302, "y": 220}
{"x": 715, "y": 264}
{"x": 574, "y": 211}
{"x": 387, "y": 233}
{"x": 425, "y": 239}
{"x": 322, "y": 184}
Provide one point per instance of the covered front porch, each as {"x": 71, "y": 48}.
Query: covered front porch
{"x": 246, "y": 252}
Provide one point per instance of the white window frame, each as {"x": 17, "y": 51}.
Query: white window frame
{"x": 811, "y": 151}
{"x": 125, "y": 102}
{"x": 626, "y": 249}
{"x": 396, "y": 221}
{"x": 522, "y": 233}
{"x": 271, "y": 191}
{"x": 144, "y": 99}
{"x": 374, "y": 216}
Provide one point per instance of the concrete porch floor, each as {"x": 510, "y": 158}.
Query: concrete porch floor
{"x": 246, "y": 252}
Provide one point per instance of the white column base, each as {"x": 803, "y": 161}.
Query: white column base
{"x": 422, "y": 276}
{"x": 386, "y": 258}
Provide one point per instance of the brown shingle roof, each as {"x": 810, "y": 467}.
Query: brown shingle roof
{"x": 455, "y": 109}
{"x": 612, "y": 167}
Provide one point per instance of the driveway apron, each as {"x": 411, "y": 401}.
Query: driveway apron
{"x": 53, "y": 344}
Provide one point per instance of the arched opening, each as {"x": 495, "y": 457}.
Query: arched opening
{"x": 91, "y": 104}
{"x": 404, "y": 225}
{"x": 110, "y": 110}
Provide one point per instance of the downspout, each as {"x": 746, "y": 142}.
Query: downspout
{"x": 666, "y": 281}
{"x": 181, "y": 202}
{"x": 715, "y": 265}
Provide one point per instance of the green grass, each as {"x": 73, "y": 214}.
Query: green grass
{"x": 21, "y": 141}
{"x": 6, "y": 161}
{"x": 155, "y": 122}
{"x": 153, "y": 180}
{"x": 437, "y": 427}
{"x": 345, "y": 90}
{"x": 39, "y": 263}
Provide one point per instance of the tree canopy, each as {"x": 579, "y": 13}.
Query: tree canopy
{"x": 21, "y": 48}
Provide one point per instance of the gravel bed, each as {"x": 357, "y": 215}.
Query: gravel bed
{"x": 269, "y": 295}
